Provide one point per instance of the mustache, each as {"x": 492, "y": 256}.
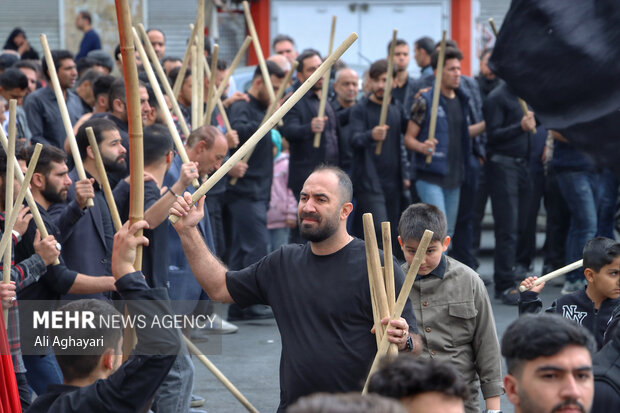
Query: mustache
{"x": 566, "y": 403}
{"x": 310, "y": 215}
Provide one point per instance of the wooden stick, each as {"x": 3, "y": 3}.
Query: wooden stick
{"x": 244, "y": 47}
{"x": 218, "y": 102}
{"x": 64, "y": 113}
{"x": 9, "y": 178}
{"x": 270, "y": 123}
{"x": 10, "y": 221}
{"x": 195, "y": 100}
{"x": 259, "y": 51}
{"x": 436, "y": 92}
{"x": 554, "y": 274}
{"x": 272, "y": 107}
{"x": 219, "y": 375}
{"x": 388, "y": 275}
{"x": 178, "y": 83}
{"x": 200, "y": 52}
{"x": 387, "y": 94}
{"x": 211, "y": 91}
{"x": 370, "y": 238}
{"x": 34, "y": 210}
{"x": 162, "y": 103}
{"x": 402, "y": 299}
{"x": 103, "y": 179}
{"x": 372, "y": 270}
{"x": 325, "y": 88}
{"x": 148, "y": 47}
{"x": 136, "y": 148}
{"x": 521, "y": 101}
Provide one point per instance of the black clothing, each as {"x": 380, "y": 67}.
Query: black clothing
{"x": 606, "y": 365}
{"x": 455, "y": 176}
{"x": 486, "y": 85}
{"x": 322, "y": 307}
{"x": 576, "y": 306}
{"x": 245, "y": 118}
{"x": 132, "y": 386}
{"x": 503, "y": 115}
{"x": 298, "y": 132}
{"x": 344, "y": 133}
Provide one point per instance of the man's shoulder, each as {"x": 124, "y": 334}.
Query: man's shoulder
{"x": 38, "y": 95}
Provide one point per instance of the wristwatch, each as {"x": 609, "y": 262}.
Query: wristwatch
{"x": 492, "y": 411}
{"x": 17, "y": 235}
{"x": 409, "y": 344}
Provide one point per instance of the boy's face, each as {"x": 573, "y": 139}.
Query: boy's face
{"x": 433, "y": 253}
{"x": 607, "y": 280}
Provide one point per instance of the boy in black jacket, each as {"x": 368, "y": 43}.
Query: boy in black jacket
{"x": 593, "y": 306}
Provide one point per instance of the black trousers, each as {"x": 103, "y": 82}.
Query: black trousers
{"x": 558, "y": 219}
{"x": 216, "y": 217}
{"x": 247, "y": 225}
{"x": 383, "y": 208}
{"x": 526, "y": 247}
{"x": 510, "y": 189}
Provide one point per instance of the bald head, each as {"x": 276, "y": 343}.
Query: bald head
{"x": 281, "y": 61}
{"x": 340, "y": 179}
{"x": 346, "y": 86}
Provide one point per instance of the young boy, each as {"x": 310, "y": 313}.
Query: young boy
{"x": 452, "y": 308}
{"x": 591, "y": 307}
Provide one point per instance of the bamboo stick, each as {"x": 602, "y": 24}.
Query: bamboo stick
{"x": 266, "y": 127}
{"x": 521, "y": 101}
{"x": 211, "y": 91}
{"x": 178, "y": 83}
{"x": 103, "y": 179}
{"x": 200, "y": 52}
{"x": 10, "y": 221}
{"x": 554, "y": 274}
{"x": 64, "y": 113}
{"x": 388, "y": 274}
{"x": 233, "y": 65}
{"x": 259, "y": 51}
{"x": 195, "y": 100}
{"x": 148, "y": 47}
{"x": 402, "y": 299}
{"x": 373, "y": 293}
{"x": 387, "y": 94}
{"x": 136, "y": 148}
{"x": 325, "y": 88}
{"x": 218, "y": 102}
{"x": 270, "y": 110}
{"x": 220, "y": 376}
{"x": 34, "y": 210}
{"x": 162, "y": 103}
{"x": 436, "y": 92}
{"x": 9, "y": 179}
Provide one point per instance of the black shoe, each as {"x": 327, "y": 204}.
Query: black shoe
{"x": 509, "y": 296}
{"x": 253, "y": 312}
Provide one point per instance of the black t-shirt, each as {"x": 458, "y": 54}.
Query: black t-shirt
{"x": 155, "y": 259}
{"x": 324, "y": 314}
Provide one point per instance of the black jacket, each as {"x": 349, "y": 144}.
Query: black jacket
{"x": 133, "y": 385}
{"x": 607, "y": 377}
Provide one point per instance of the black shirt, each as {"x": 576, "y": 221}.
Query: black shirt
{"x": 245, "y": 118}
{"x": 324, "y": 314}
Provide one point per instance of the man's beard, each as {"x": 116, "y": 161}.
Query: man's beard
{"x": 53, "y": 196}
{"x": 113, "y": 165}
{"x": 528, "y": 405}
{"x": 318, "y": 233}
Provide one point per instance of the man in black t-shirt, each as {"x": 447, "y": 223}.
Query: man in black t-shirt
{"x": 318, "y": 291}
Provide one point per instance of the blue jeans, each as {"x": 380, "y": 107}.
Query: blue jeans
{"x": 175, "y": 392}
{"x": 41, "y": 371}
{"x": 578, "y": 189}
{"x": 447, "y": 200}
{"x": 607, "y": 196}
{"x": 278, "y": 237}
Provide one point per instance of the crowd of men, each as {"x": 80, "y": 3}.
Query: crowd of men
{"x": 309, "y": 201}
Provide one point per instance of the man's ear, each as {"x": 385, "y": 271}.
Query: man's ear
{"x": 446, "y": 243}
{"x": 400, "y": 242}
{"x": 589, "y": 273}
{"x": 511, "y": 385}
{"x": 107, "y": 359}
{"x": 118, "y": 106}
{"x": 89, "y": 152}
{"x": 38, "y": 180}
{"x": 346, "y": 210}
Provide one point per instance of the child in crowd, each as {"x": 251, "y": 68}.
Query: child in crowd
{"x": 591, "y": 307}
{"x": 452, "y": 308}
{"x": 282, "y": 212}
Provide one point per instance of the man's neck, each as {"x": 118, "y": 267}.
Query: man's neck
{"x": 345, "y": 104}
{"x": 333, "y": 244}
{"x": 40, "y": 199}
{"x": 373, "y": 98}
{"x": 596, "y": 298}
{"x": 89, "y": 166}
{"x": 86, "y": 381}
{"x": 158, "y": 171}
{"x": 447, "y": 92}
{"x": 402, "y": 76}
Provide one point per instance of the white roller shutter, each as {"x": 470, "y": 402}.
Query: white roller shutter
{"x": 34, "y": 17}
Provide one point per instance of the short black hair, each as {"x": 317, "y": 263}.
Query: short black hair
{"x": 102, "y": 85}
{"x": 282, "y": 38}
{"x": 425, "y": 43}
{"x": 117, "y": 91}
{"x": 345, "y": 403}
{"x": 101, "y": 58}
{"x": 27, "y": 64}
{"x": 450, "y": 53}
{"x": 541, "y": 335}
{"x": 78, "y": 364}
{"x": 206, "y": 133}
{"x": 85, "y": 63}
{"x": 600, "y": 251}
{"x": 157, "y": 143}
{"x": 91, "y": 75}
{"x": 170, "y": 59}
{"x": 379, "y": 67}
{"x": 419, "y": 217}
{"x": 13, "y": 78}
{"x": 7, "y": 60}
{"x": 272, "y": 68}
{"x": 449, "y": 43}
{"x": 399, "y": 42}
{"x": 86, "y": 15}
{"x": 408, "y": 375}
{"x": 48, "y": 155}
{"x": 174, "y": 73}
{"x": 99, "y": 126}
{"x": 344, "y": 182}
{"x": 220, "y": 64}
{"x": 305, "y": 54}
{"x": 57, "y": 57}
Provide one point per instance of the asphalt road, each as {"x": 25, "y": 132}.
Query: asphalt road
{"x": 250, "y": 357}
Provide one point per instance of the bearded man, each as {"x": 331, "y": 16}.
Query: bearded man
{"x": 318, "y": 291}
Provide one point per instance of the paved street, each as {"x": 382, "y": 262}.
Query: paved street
{"x": 250, "y": 357}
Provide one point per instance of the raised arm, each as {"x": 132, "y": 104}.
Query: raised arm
{"x": 208, "y": 270}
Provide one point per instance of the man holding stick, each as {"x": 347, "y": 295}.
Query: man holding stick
{"x": 319, "y": 291}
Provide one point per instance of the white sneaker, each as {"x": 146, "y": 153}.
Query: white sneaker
{"x": 220, "y": 326}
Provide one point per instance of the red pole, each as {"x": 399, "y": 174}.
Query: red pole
{"x": 260, "y": 13}
{"x": 461, "y": 28}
